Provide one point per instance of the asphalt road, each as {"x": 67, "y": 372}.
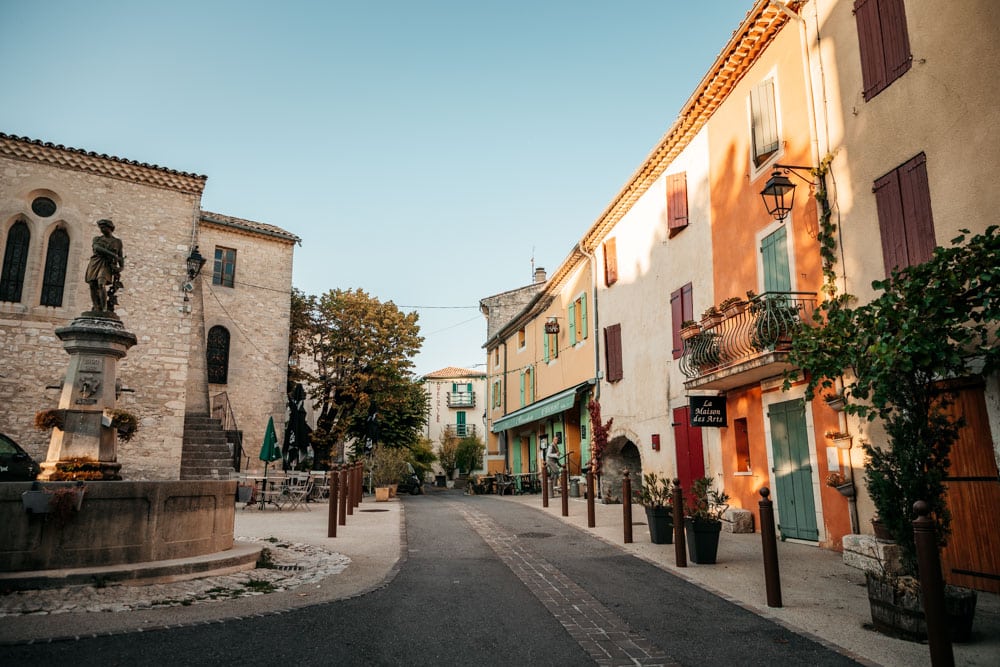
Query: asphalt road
{"x": 483, "y": 583}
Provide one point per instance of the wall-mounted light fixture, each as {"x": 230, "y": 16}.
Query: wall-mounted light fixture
{"x": 779, "y": 191}
{"x": 194, "y": 263}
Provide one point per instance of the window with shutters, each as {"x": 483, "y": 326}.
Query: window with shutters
{"x": 883, "y": 43}
{"x": 527, "y": 386}
{"x": 610, "y": 262}
{"x": 550, "y": 346}
{"x": 522, "y": 338}
{"x": 774, "y": 261}
{"x": 681, "y": 310}
{"x": 225, "y": 267}
{"x": 577, "y": 318}
{"x": 15, "y": 262}
{"x": 677, "y": 203}
{"x": 903, "y": 200}
{"x": 497, "y": 393}
{"x": 764, "y": 140}
{"x": 613, "y": 353}
{"x": 217, "y": 355}
{"x": 54, "y": 276}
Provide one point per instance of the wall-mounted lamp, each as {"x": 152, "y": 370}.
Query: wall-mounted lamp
{"x": 779, "y": 191}
{"x": 194, "y": 263}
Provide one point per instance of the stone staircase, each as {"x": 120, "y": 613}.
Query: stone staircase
{"x": 205, "y": 453}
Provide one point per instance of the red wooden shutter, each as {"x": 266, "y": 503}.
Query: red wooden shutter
{"x": 610, "y": 263}
{"x": 689, "y": 450}
{"x": 890, "y": 221}
{"x": 918, "y": 224}
{"x": 677, "y": 203}
{"x": 895, "y": 39}
{"x": 613, "y": 352}
{"x": 870, "y": 45}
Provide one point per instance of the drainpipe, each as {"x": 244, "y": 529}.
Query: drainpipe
{"x": 597, "y": 338}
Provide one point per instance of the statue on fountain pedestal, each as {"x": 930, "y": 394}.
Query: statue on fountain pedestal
{"x": 104, "y": 269}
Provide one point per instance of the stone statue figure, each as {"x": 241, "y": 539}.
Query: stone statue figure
{"x": 104, "y": 269}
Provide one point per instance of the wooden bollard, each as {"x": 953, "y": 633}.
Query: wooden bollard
{"x": 331, "y": 524}
{"x": 769, "y": 542}
{"x": 932, "y": 587}
{"x": 545, "y": 485}
{"x": 360, "y": 493}
{"x": 349, "y": 481}
{"x": 565, "y": 491}
{"x": 680, "y": 543}
{"x": 627, "y": 507}
{"x": 591, "y": 522}
{"x": 356, "y": 486}
{"x": 342, "y": 475}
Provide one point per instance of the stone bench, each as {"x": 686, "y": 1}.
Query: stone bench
{"x": 737, "y": 521}
{"x": 866, "y": 553}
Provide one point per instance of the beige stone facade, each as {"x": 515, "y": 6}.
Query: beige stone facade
{"x": 157, "y": 215}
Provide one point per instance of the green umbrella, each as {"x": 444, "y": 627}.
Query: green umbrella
{"x": 269, "y": 451}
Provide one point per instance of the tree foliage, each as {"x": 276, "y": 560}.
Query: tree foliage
{"x": 469, "y": 453}
{"x": 360, "y": 373}
{"x": 927, "y": 324}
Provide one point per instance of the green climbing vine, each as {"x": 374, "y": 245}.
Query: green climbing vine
{"x": 827, "y": 235}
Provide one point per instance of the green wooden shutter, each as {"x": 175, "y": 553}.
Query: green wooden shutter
{"x": 522, "y": 389}
{"x": 583, "y": 316}
{"x": 572, "y": 323}
{"x": 774, "y": 249}
{"x": 545, "y": 346}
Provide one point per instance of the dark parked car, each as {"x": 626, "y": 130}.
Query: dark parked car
{"x": 15, "y": 464}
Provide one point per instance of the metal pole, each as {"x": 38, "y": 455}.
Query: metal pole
{"x": 331, "y": 524}
{"x": 769, "y": 542}
{"x": 565, "y": 492}
{"x": 680, "y": 544}
{"x": 627, "y": 507}
{"x": 932, "y": 587}
{"x": 342, "y": 475}
{"x": 545, "y": 484}
{"x": 591, "y": 521}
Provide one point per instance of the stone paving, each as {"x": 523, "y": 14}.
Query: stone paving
{"x": 283, "y": 566}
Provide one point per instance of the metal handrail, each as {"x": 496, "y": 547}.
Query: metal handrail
{"x": 223, "y": 411}
{"x": 759, "y": 326}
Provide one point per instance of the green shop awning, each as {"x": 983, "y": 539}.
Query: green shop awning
{"x": 546, "y": 407}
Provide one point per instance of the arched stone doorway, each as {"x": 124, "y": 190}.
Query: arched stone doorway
{"x": 621, "y": 453}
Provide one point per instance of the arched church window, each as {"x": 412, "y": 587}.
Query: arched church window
{"x": 15, "y": 262}
{"x": 54, "y": 278}
{"x": 218, "y": 355}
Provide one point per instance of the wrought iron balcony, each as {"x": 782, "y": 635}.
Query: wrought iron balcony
{"x": 461, "y": 399}
{"x": 748, "y": 343}
{"x": 460, "y": 430}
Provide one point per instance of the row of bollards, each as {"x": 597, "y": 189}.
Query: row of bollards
{"x": 928, "y": 556}
{"x": 346, "y": 493}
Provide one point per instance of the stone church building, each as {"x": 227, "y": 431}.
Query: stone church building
{"x": 215, "y": 344}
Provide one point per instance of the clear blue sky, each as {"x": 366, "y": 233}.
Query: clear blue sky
{"x": 423, "y": 151}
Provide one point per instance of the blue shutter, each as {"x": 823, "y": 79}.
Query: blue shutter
{"x": 774, "y": 248}
{"x": 572, "y": 323}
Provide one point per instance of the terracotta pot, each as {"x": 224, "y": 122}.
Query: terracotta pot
{"x": 382, "y": 494}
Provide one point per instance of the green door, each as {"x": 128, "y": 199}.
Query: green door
{"x": 515, "y": 464}
{"x": 793, "y": 474}
{"x": 460, "y": 423}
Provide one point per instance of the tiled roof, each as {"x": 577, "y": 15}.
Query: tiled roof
{"x": 248, "y": 226}
{"x": 454, "y": 372}
{"x": 23, "y": 148}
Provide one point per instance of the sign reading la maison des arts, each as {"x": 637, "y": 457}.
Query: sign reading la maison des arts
{"x": 708, "y": 411}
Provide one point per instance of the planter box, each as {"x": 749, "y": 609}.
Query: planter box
{"x": 702, "y": 540}
{"x": 36, "y": 502}
{"x": 381, "y": 494}
{"x": 899, "y": 611}
{"x": 244, "y": 493}
{"x": 661, "y": 525}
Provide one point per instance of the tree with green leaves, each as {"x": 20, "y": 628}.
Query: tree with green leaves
{"x": 928, "y": 324}
{"x": 360, "y": 375}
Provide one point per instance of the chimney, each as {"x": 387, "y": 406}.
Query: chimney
{"x": 539, "y": 275}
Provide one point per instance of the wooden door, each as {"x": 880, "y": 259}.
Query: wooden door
{"x": 689, "y": 450}
{"x": 793, "y": 476}
{"x": 972, "y": 557}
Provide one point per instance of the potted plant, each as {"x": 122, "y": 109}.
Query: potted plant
{"x": 656, "y": 496}
{"x": 61, "y": 501}
{"x": 732, "y": 306}
{"x": 47, "y": 419}
{"x": 926, "y": 322}
{"x": 840, "y": 439}
{"x": 703, "y": 520}
{"x": 838, "y": 481}
{"x": 710, "y": 317}
{"x": 123, "y": 421}
{"x": 689, "y": 328}
{"x": 835, "y": 401}
{"x": 386, "y": 467}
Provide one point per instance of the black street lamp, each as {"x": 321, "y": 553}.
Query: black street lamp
{"x": 194, "y": 263}
{"x": 779, "y": 191}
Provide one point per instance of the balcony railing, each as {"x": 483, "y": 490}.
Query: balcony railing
{"x": 747, "y": 338}
{"x": 460, "y": 430}
{"x": 461, "y": 399}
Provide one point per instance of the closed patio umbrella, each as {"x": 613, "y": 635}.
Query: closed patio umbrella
{"x": 269, "y": 451}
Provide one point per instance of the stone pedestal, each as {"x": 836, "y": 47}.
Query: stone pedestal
{"x": 95, "y": 342}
